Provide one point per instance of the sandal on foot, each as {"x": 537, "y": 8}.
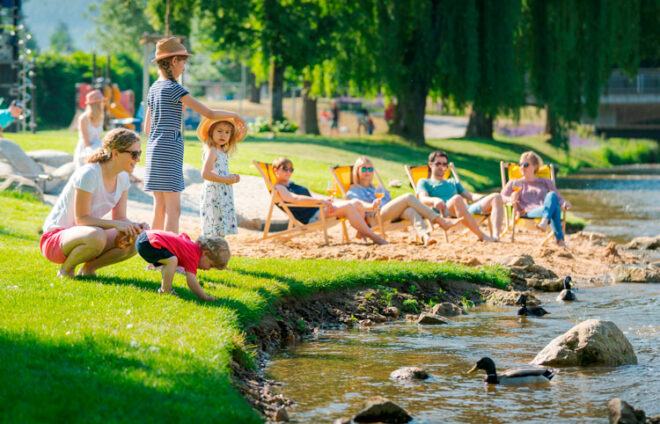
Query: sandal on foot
{"x": 172, "y": 292}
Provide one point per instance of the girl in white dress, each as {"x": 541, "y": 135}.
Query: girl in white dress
{"x": 90, "y": 128}
{"x": 220, "y": 137}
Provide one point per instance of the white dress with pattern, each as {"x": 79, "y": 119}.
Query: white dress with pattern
{"x": 217, "y": 208}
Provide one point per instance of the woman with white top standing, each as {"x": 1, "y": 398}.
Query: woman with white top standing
{"x": 90, "y": 128}
{"x": 75, "y": 231}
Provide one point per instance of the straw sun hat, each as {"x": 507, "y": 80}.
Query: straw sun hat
{"x": 94, "y": 96}
{"x": 240, "y": 130}
{"x": 169, "y": 47}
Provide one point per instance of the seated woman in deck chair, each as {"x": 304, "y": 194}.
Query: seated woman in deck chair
{"x": 293, "y": 193}
{"x": 536, "y": 197}
{"x": 449, "y": 196}
{"x": 406, "y": 206}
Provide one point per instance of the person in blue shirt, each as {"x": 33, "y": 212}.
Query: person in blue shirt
{"x": 449, "y": 197}
{"x": 7, "y": 116}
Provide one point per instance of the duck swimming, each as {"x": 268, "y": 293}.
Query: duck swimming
{"x": 532, "y": 310}
{"x": 514, "y": 376}
{"x": 566, "y": 295}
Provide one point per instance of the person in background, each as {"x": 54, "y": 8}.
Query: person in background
{"x": 334, "y": 118}
{"x": 7, "y": 116}
{"x": 90, "y": 128}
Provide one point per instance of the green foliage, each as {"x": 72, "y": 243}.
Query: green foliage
{"x": 60, "y": 39}
{"x": 467, "y": 303}
{"x": 285, "y": 126}
{"x": 410, "y": 305}
{"x": 57, "y": 75}
{"x": 301, "y": 325}
{"x": 260, "y": 125}
{"x": 112, "y": 34}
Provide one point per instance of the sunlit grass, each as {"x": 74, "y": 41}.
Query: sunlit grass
{"x": 110, "y": 349}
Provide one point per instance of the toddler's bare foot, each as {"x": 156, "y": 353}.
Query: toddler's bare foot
{"x": 63, "y": 274}
{"x": 488, "y": 239}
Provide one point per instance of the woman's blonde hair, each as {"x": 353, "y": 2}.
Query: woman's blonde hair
{"x": 362, "y": 160}
{"x": 95, "y": 110}
{"x": 534, "y": 158}
{"x": 118, "y": 139}
{"x": 230, "y": 147}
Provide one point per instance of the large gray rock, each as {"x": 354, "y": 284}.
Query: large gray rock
{"x": 431, "y": 319}
{"x": 53, "y": 158}
{"x": 622, "y": 413}
{"x": 635, "y": 274}
{"x": 549, "y": 285}
{"x": 380, "y": 409}
{"x": 409, "y": 373}
{"x": 592, "y": 342}
{"x": 191, "y": 175}
{"x": 508, "y": 298}
{"x": 447, "y": 309}
{"x": 644, "y": 243}
{"x": 20, "y": 184}
{"x": 59, "y": 178}
{"x": 13, "y": 160}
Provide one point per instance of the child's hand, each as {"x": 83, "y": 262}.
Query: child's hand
{"x": 237, "y": 178}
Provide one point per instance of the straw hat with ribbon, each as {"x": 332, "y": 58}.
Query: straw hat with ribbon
{"x": 169, "y": 47}
{"x": 94, "y": 96}
{"x": 240, "y": 130}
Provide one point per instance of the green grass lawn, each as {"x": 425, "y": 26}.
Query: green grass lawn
{"x": 110, "y": 349}
{"x": 477, "y": 160}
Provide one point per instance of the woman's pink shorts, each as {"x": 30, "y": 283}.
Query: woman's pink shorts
{"x": 51, "y": 246}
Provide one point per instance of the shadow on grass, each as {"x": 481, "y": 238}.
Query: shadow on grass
{"x": 107, "y": 380}
{"x": 9, "y": 233}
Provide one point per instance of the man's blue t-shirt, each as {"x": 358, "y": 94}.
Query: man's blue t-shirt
{"x": 445, "y": 189}
{"x": 5, "y": 118}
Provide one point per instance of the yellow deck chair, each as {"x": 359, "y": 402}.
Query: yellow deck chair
{"x": 511, "y": 171}
{"x": 295, "y": 227}
{"x": 342, "y": 178}
{"x": 416, "y": 173}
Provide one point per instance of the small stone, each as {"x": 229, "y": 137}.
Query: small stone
{"x": 380, "y": 409}
{"x": 391, "y": 311}
{"x": 622, "y": 413}
{"x": 409, "y": 373}
{"x": 281, "y": 414}
{"x": 431, "y": 319}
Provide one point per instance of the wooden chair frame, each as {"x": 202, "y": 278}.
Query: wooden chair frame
{"x": 415, "y": 174}
{"x": 513, "y": 217}
{"x": 295, "y": 227}
{"x": 344, "y": 186}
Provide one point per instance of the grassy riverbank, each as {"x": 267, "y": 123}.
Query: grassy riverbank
{"x": 477, "y": 160}
{"x": 110, "y": 348}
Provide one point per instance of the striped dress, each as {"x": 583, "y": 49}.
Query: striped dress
{"x": 164, "y": 164}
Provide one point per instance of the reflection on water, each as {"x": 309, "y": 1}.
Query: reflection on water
{"x": 329, "y": 377}
{"x": 622, "y": 203}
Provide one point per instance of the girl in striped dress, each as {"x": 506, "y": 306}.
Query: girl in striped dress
{"x": 164, "y": 164}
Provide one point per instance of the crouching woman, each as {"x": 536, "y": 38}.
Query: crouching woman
{"x": 75, "y": 231}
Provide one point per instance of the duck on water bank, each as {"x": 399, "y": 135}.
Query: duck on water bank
{"x": 566, "y": 295}
{"x": 514, "y": 376}
{"x": 532, "y": 310}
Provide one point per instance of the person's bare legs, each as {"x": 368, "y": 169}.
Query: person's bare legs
{"x": 458, "y": 207}
{"x": 494, "y": 205}
{"x": 172, "y": 210}
{"x": 110, "y": 255}
{"x": 167, "y": 271}
{"x": 349, "y": 212}
{"x": 158, "y": 221}
{"x": 80, "y": 244}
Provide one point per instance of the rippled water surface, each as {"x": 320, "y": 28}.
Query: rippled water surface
{"x": 329, "y": 377}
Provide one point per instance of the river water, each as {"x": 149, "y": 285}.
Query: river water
{"x": 330, "y": 376}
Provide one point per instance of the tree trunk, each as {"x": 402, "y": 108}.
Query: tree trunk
{"x": 309, "y": 123}
{"x": 480, "y": 125}
{"x": 276, "y": 90}
{"x": 255, "y": 90}
{"x": 410, "y": 110}
{"x": 551, "y": 123}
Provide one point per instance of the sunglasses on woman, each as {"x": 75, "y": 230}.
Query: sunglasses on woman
{"x": 135, "y": 154}
{"x": 367, "y": 169}
{"x": 287, "y": 169}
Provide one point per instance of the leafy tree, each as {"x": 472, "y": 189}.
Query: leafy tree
{"x": 499, "y": 84}
{"x": 571, "y": 48}
{"x": 114, "y": 35}
{"x": 60, "y": 40}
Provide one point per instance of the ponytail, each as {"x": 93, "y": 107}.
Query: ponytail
{"x": 100, "y": 156}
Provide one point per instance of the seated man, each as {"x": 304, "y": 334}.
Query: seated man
{"x": 7, "y": 116}
{"x": 448, "y": 196}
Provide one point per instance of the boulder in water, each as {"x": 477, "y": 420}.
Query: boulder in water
{"x": 409, "y": 373}
{"x": 447, "y": 309}
{"x": 592, "y": 342}
{"x": 622, "y": 413}
{"x": 644, "y": 243}
{"x": 431, "y": 319}
{"x": 380, "y": 409}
